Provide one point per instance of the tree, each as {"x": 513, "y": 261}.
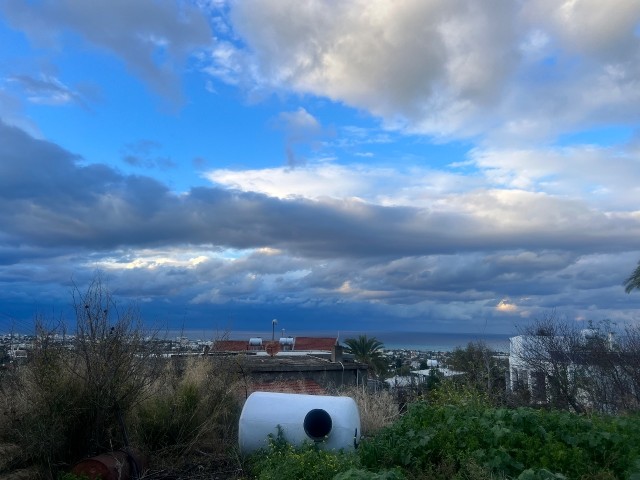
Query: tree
{"x": 633, "y": 282}
{"x": 368, "y": 350}
{"x": 482, "y": 369}
{"x": 577, "y": 368}
{"x": 72, "y": 396}
{"x": 546, "y": 355}
{"x": 113, "y": 359}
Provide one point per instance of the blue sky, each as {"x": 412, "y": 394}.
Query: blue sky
{"x": 360, "y": 165}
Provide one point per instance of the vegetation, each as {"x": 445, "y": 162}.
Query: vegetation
{"x": 377, "y": 409}
{"x": 66, "y": 403}
{"x": 633, "y": 281}
{"x": 482, "y": 370}
{"x": 440, "y": 441}
{"x": 457, "y": 434}
{"x": 582, "y": 369}
{"x": 69, "y": 403}
{"x": 282, "y": 460}
{"x": 193, "y": 407}
{"x": 368, "y": 350}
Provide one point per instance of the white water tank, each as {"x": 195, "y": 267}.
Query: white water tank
{"x": 331, "y": 422}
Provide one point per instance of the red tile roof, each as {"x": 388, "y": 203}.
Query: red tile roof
{"x": 300, "y": 344}
{"x": 314, "y": 343}
{"x": 230, "y": 346}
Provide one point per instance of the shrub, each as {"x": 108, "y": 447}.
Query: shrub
{"x": 452, "y": 392}
{"x": 67, "y": 403}
{"x": 359, "y": 474}
{"x": 308, "y": 462}
{"x": 193, "y": 404}
{"x": 507, "y": 442}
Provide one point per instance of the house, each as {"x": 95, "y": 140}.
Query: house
{"x": 312, "y": 365}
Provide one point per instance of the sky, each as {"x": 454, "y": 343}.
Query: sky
{"x": 417, "y": 165}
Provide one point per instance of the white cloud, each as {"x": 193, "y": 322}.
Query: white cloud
{"x": 603, "y": 177}
{"x": 415, "y": 186}
{"x": 512, "y": 71}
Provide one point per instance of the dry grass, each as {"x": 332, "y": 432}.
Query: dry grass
{"x": 192, "y": 407}
{"x": 377, "y": 409}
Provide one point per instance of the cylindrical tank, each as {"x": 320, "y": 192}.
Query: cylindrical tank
{"x": 119, "y": 465}
{"x": 331, "y": 422}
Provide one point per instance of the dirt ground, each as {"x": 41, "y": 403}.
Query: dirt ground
{"x": 196, "y": 466}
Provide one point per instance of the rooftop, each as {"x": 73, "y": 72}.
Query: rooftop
{"x": 289, "y": 344}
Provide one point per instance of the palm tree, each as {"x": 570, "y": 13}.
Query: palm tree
{"x": 633, "y": 281}
{"x": 368, "y": 350}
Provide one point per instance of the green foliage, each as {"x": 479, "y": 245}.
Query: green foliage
{"x": 65, "y": 403}
{"x": 510, "y": 442}
{"x": 51, "y": 409}
{"x": 368, "y": 350}
{"x": 481, "y": 368}
{"x": 633, "y": 281}
{"x": 541, "y": 474}
{"x": 308, "y": 462}
{"x": 360, "y": 474}
{"x": 170, "y": 421}
{"x": 71, "y": 476}
{"x": 451, "y": 392}
{"x": 192, "y": 406}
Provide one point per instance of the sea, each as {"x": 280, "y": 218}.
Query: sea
{"x": 392, "y": 340}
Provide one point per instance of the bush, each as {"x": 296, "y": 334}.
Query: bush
{"x": 359, "y": 474}
{"x": 281, "y": 460}
{"x": 452, "y": 392}
{"x": 507, "y": 442}
{"x": 65, "y": 404}
{"x": 193, "y": 404}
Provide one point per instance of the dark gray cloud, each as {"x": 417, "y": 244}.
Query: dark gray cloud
{"x": 485, "y": 257}
{"x": 51, "y": 198}
{"x": 144, "y": 154}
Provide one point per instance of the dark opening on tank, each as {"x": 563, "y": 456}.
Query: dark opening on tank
{"x": 317, "y": 424}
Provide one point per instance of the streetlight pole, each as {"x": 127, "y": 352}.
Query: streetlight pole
{"x": 274, "y": 322}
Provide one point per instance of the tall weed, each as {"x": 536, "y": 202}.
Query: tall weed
{"x": 193, "y": 405}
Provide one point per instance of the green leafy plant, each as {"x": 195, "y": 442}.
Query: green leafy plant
{"x": 307, "y": 462}
{"x": 508, "y": 442}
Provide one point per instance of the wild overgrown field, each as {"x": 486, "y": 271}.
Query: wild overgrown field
{"x": 112, "y": 389}
{"x": 456, "y": 433}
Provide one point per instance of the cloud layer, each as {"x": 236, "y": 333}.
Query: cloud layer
{"x": 462, "y": 255}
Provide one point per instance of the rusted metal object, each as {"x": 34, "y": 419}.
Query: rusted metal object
{"x": 125, "y": 464}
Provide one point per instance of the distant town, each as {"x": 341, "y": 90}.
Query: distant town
{"x": 404, "y": 366}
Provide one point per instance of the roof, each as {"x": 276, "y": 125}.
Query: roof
{"x": 306, "y": 386}
{"x": 315, "y": 343}
{"x": 297, "y": 363}
{"x": 230, "y": 345}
